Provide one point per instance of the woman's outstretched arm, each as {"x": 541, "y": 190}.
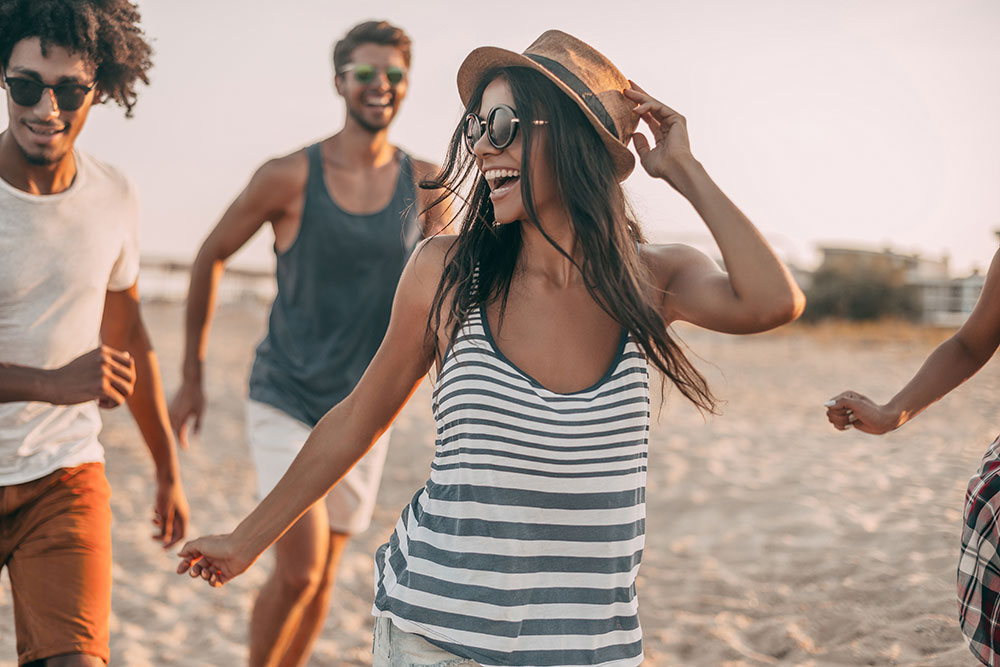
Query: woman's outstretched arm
{"x": 949, "y": 365}
{"x": 344, "y": 434}
{"x": 756, "y": 292}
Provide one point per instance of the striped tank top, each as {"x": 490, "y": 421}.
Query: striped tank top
{"x": 524, "y": 545}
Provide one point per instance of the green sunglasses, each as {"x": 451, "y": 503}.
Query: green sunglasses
{"x": 365, "y": 73}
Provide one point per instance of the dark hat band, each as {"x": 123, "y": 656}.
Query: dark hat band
{"x": 580, "y": 88}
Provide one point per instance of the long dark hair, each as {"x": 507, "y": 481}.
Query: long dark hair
{"x": 605, "y": 228}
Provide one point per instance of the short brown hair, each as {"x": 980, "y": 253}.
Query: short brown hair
{"x": 370, "y": 32}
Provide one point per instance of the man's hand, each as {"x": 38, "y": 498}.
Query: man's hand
{"x": 105, "y": 374}
{"x": 188, "y": 405}
{"x": 170, "y": 513}
{"x": 213, "y": 558}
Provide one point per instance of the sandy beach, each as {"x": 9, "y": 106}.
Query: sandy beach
{"x": 772, "y": 539}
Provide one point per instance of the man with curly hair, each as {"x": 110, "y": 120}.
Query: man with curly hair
{"x": 71, "y": 337}
{"x": 346, "y": 214}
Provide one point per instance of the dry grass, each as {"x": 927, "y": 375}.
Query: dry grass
{"x": 880, "y": 331}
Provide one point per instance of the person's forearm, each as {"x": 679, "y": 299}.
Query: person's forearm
{"x": 948, "y": 366}
{"x": 758, "y": 278}
{"x": 334, "y": 446}
{"x": 205, "y": 276}
{"x": 149, "y": 408}
{"x": 21, "y": 383}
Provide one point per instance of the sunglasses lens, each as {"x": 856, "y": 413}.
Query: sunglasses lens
{"x": 25, "y": 92}
{"x": 473, "y": 131}
{"x": 28, "y": 93}
{"x": 364, "y": 73}
{"x": 501, "y": 126}
{"x": 70, "y": 98}
{"x": 394, "y": 75}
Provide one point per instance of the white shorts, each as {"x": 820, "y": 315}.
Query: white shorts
{"x": 275, "y": 439}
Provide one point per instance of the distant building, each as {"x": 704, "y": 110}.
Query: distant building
{"x": 802, "y": 277}
{"x": 949, "y": 302}
{"x": 896, "y": 268}
{"x": 943, "y": 300}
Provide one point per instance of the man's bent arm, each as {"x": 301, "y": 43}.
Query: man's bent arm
{"x": 21, "y": 383}
{"x": 266, "y": 197}
{"x": 122, "y": 327}
{"x": 103, "y": 374}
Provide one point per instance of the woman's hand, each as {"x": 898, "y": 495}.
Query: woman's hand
{"x": 215, "y": 558}
{"x": 851, "y": 408}
{"x": 671, "y": 151}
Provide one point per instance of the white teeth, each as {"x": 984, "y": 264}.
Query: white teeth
{"x": 493, "y": 177}
{"x": 493, "y": 174}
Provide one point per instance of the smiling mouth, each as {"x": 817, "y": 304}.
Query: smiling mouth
{"x": 377, "y": 102}
{"x": 45, "y": 131}
{"x": 502, "y": 181}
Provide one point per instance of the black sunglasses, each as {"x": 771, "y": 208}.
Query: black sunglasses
{"x": 28, "y": 92}
{"x": 365, "y": 73}
{"x": 500, "y": 127}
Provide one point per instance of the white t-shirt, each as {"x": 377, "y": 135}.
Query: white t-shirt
{"x": 59, "y": 255}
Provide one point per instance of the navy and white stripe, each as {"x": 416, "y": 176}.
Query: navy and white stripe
{"x": 524, "y": 545}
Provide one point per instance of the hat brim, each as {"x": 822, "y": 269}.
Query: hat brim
{"x": 486, "y": 58}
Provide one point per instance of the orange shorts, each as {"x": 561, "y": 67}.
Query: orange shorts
{"x": 55, "y": 539}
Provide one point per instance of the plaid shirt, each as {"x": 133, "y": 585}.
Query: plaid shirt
{"x": 979, "y": 564}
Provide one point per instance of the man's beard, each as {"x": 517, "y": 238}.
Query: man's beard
{"x": 41, "y": 160}
{"x": 368, "y": 127}
{"x": 37, "y": 160}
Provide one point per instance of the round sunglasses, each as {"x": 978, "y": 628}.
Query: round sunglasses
{"x": 28, "y": 92}
{"x": 500, "y": 127}
{"x": 365, "y": 73}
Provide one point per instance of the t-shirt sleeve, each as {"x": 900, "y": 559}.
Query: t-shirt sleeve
{"x": 126, "y": 269}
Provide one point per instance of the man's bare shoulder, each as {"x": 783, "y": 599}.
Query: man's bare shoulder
{"x": 277, "y": 186}
{"x": 288, "y": 172}
{"x": 424, "y": 169}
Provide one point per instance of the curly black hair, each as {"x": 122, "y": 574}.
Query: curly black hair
{"x": 105, "y": 32}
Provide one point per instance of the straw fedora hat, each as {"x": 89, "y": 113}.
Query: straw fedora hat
{"x": 590, "y": 80}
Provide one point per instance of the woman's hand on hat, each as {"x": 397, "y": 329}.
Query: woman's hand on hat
{"x": 671, "y": 150}
{"x": 850, "y": 408}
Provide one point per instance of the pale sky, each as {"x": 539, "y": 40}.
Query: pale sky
{"x": 868, "y": 123}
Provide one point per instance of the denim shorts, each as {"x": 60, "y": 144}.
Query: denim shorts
{"x": 394, "y": 648}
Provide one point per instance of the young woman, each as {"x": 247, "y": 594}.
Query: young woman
{"x": 949, "y": 365}
{"x": 540, "y": 316}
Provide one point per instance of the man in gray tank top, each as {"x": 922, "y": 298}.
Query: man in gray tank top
{"x": 345, "y": 217}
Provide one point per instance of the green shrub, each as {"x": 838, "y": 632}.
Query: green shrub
{"x": 859, "y": 296}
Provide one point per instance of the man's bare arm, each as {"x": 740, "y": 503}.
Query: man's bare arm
{"x": 103, "y": 374}
{"x": 122, "y": 327}
{"x": 272, "y": 191}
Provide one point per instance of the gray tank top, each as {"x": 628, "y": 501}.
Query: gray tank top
{"x": 335, "y": 288}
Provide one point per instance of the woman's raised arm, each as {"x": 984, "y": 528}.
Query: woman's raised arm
{"x": 756, "y": 292}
